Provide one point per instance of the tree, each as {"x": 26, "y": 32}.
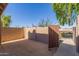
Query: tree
{"x": 6, "y": 20}
{"x": 44, "y": 23}
{"x": 66, "y": 13}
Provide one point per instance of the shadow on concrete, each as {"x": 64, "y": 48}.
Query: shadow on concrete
{"x": 34, "y": 48}
{"x": 60, "y": 41}
{"x": 25, "y": 48}
{"x": 77, "y": 43}
{"x": 65, "y": 50}
{"x": 38, "y": 36}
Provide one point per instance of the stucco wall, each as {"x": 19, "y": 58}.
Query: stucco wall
{"x": 42, "y": 34}
{"x": 38, "y": 34}
{"x": 8, "y": 34}
{"x": 26, "y": 32}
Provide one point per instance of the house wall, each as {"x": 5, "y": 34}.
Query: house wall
{"x": 77, "y": 34}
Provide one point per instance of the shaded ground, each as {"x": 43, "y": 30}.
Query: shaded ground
{"x": 34, "y": 48}
{"x": 26, "y": 48}
{"x": 66, "y": 48}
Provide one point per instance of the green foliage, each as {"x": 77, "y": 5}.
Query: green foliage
{"x": 66, "y": 13}
{"x": 44, "y": 23}
{"x": 6, "y": 20}
{"x": 67, "y": 35}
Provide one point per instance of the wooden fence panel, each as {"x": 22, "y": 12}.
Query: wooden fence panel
{"x": 53, "y": 36}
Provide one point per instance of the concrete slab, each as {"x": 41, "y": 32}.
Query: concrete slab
{"x": 26, "y": 48}
{"x": 66, "y": 48}
{"x": 34, "y": 48}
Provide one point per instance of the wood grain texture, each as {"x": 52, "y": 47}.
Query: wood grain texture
{"x": 53, "y": 36}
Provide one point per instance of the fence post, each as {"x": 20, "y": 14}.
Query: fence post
{"x": 74, "y": 33}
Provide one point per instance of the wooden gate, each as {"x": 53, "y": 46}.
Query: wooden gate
{"x": 53, "y": 36}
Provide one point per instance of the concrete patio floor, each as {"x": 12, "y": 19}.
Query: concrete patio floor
{"x": 35, "y": 48}
{"x": 26, "y": 48}
{"x": 66, "y": 48}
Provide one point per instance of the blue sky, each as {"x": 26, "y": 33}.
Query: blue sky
{"x": 26, "y": 14}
